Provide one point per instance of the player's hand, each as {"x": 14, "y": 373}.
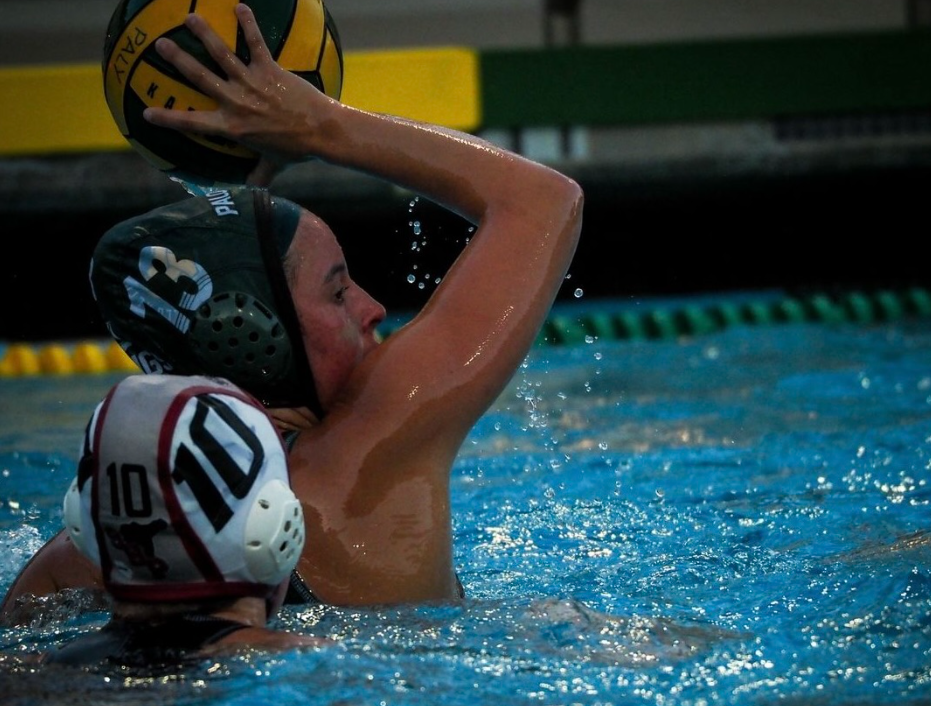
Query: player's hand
{"x": 259, "y": 105}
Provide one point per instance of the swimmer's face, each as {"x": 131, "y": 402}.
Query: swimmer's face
{"x": 338, "y": 318}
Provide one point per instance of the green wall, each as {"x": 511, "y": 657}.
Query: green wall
{"x": 723, "y": 80}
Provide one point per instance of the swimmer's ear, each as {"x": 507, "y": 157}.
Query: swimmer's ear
{"x": 292, "y": 418}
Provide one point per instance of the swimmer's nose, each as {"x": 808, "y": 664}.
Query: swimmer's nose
{"x": 375, "y": 313}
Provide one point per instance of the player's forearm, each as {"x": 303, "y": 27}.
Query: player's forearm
{"x": 457, "y": 170}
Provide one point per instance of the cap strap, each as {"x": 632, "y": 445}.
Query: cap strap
{"x": 283, "y": 300}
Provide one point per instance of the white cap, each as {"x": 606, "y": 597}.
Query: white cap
{"x": 182, "y": 492}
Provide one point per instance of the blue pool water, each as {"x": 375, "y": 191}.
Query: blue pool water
{"x": 743, "y": 517}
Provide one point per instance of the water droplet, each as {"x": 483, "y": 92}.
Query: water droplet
{"x": 578, "y": 293}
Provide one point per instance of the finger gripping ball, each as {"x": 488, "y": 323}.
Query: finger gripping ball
{"x": 301, "y": 35}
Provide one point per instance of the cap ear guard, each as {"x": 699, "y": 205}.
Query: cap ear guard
{"x": 79, "y": 526}
{"x": 74, "y": 520}
{"x": 274, "y": 534}
{"x": 236, "y": 336}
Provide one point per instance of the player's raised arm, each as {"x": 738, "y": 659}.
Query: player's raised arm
{"x": 493, "y": 301}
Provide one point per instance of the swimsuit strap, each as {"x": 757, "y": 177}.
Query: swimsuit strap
{"x": 211, "y": 629}
{"x": 299, "y": 592}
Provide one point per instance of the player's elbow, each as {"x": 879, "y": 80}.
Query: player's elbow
{"x": 571, "y": 202}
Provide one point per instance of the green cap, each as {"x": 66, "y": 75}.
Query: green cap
{"x": 197, "y": 287}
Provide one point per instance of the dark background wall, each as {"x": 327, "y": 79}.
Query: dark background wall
{"x": 860, "y": 229}
{"x": 683, "y": 195}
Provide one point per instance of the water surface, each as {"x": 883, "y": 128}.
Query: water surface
{"x": 739, "y": 518}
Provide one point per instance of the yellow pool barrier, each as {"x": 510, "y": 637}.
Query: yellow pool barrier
{"x": 22, "y": 359}
{"x": 564, "y": 327}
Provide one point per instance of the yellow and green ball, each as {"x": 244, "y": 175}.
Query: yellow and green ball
{"x": 301, "y": 35}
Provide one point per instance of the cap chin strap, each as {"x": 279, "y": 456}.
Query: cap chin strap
{"x": 271, "y": 258}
